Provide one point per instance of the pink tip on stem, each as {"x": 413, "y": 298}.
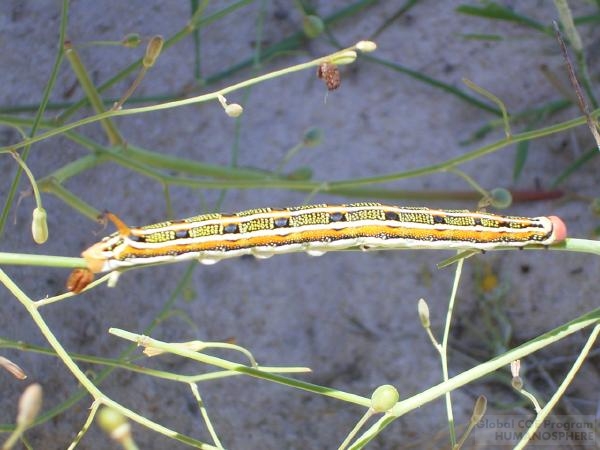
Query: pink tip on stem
{"x": 559, "y": 229}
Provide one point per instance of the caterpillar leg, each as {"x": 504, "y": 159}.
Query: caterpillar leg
{"x": 79, "y": 280}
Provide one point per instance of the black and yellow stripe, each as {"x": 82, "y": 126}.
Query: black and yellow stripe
{"x": 316, "y": 229}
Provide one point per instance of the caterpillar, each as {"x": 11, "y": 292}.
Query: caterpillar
{"x": 313, "y": 229}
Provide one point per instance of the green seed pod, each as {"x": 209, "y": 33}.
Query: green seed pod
{"x": 234, "y": 110}
{"x": 384, "y": 398}
{"x": 39, "y": 226}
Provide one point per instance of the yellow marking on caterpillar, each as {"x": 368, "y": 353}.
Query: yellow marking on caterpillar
{"x": 314, "y": 229}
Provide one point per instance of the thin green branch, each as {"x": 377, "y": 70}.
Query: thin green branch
{"x": 435, "y": 83}
{"x": 114, "y": 137}
{"x": 51, "y": 186}
{"x": 444, "y": 349}
{"x": 465, "y": 157}
{"x": 90, "y": 387}
{"x": 495, "y": 11}
{"x": 504, "y": 360}
{"x": 546, "y": 410}
{"x": 23, "y": 259}
{"x": 344, "y": 187}
{"x": 487, "y": 94}
{"x": 39, "y": 114}
{"x": 178, "y": 103}
{"x": 291, "y": 43}
{"x": 240, "y": 368}
{"x": 126, "y": 365}
{"x": 199, "y": 21}
{"x": 105, "y": 373}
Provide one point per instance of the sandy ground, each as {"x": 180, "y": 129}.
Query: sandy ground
{"x": 351, "y": 317}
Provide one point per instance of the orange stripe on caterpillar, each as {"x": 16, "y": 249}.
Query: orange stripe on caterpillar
{"x": 314, "y": 229}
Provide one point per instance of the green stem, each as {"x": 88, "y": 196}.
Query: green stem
{"x": 51, "y": 186}
{"x": 181, "y": 34}
{"x": 86, "y": 425}
{"x": 177, "y": 103}
{"x": 541, "y": 417}
{"x": 433, "y": 393}
{"x": 444, "y": 349}
{"x": 124, "y": 365}
{"x": 469, "y": 156}
{"x": 104, "y": 374}
{"x": 24, "y": 259}
{"x": 290, "y": 43}
{"x": 114, "y": 137}
{"x": 34, "y": 185}
{"x": 39, "y": 114}
{"x": 80, "y": 375}
{"x": 435, "y": 83}
{"x": 146, "y": 341}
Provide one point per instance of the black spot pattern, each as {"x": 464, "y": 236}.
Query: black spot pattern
{"x": 281, "y": 222}
{"x": 231, "y": 228}
{"x": 390, "y": 215}
{"x": 337, "y": 217}
{"x": 181, "y": 234}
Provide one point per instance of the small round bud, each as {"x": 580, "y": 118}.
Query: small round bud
{"x": 132, "y": 40}
{"x": 312, "y": 26}
{"x": 366, "y": 46}
{"x": 347, "y": 57}
{"x": 30, "y": 404}
{"x": 39, "y": 226}
{"x": 234, "y": 110}
{"x": 312, "y": 137}
{"x": 152, "y": 51}
{"x": 110, "y": 419}
{"x": 423, "y": 310}
{"x": 384, "y": 398}
{"x": 500, "y": 198}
